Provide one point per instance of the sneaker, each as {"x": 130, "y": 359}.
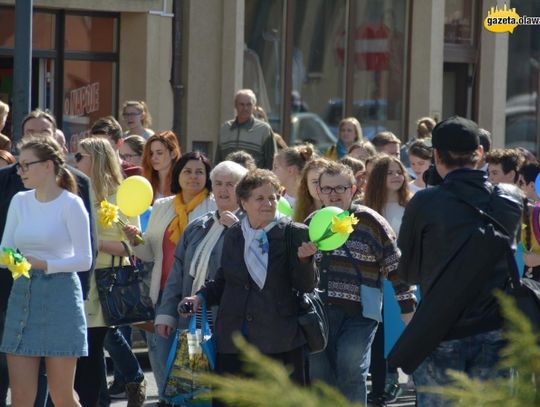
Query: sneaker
{"x": 391, "y": 392}
{"x": 117, "y": 390}
{"x": 136, "y": 393}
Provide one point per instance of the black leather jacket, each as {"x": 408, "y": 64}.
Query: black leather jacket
{"x": 435, "y": 225}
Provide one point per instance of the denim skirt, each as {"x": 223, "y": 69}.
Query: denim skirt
{"x": 45, "y": 316}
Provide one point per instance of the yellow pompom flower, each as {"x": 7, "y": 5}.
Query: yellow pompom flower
{"x": 344, "y": 225}
{"x": 20, "y": 269}
{"x": 107, "y": 214}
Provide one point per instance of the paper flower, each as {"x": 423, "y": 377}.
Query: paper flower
{"x": 15, "y": 262}
{"x": 108, "y": 215}
{"x": 343, "y": 225}
{"x": 20, "y": 269}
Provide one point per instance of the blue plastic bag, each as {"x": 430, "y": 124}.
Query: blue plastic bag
{"x": 193, "y": 351}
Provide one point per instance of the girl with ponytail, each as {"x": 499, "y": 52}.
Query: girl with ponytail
{"x": 49, "y": 225}
{"x": 288, "y": 166}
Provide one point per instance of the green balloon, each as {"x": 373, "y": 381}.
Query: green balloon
{"x": 284, "y": 207}
{"x": 319, "y": 225}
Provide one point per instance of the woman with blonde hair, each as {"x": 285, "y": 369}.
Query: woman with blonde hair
{"x": 49, "y": 225}
{"x": 160, "y": 153}
{"x": 137, "y": 118}
{"x": 97, "y": 159}
{"x": 350, "y": 132}
{"x": 307, "y": 198}
{"x": 288, "y": 166}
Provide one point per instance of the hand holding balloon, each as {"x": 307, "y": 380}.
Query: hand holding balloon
{"x": 306, "y": 250}
{"x": 132, "y": 233}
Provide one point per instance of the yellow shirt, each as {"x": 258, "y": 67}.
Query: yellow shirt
{"x": 92, "y": 306}
{"x": 535, "y": 246}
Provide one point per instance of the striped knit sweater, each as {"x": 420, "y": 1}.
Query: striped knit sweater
{"x": 373, "y": 245}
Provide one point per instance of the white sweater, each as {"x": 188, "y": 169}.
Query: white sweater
{"x": 152, "y": 250}
{"x": 57, "y": 231}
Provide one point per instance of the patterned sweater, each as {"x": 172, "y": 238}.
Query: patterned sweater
{"x": 373, "y": 245}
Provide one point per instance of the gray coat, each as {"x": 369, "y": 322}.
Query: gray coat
{"x": 179, "y": 282}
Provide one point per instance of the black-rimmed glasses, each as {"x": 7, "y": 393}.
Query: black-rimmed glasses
{"x": 339, "y": 189}
{"x": 26, "y": 166}
{"x": 79, "y": 156}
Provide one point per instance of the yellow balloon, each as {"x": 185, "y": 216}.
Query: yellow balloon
{"x": 134, "y": 195}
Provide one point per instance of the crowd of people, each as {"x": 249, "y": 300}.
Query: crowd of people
{"x": 215, "y": 237}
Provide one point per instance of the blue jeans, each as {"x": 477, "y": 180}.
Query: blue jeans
{"x": 158, "y": 352}
{"x": 126, "y": 365}
{"x": 475, "y": 355}
{"x": 345, "y": 362}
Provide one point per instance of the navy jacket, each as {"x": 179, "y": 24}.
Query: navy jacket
{"x": 269, "y": 317}
{"x": 10, "y": 184}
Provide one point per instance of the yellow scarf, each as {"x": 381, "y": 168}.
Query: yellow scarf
{"x": 179, "y": 223}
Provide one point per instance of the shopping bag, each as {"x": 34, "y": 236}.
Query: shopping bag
{"x": 192, "y": 352}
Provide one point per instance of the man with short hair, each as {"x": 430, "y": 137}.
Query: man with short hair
{"x": 386, "y": 142}
{"x": 527, "y": 179}
{"x": 247, "y": 133}
{"x": 351, "y": 284}
{"x": 36, "y": 122}
{"x": 503, "y": 165}
{"x": 439, "y": 228}
{"x": 109, "y": 128}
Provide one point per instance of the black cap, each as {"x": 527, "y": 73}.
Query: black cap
{"x": 456, "y": 134}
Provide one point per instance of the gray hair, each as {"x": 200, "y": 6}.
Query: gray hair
{"x": 246, "y": 92}
{"x": 228, "y": 168}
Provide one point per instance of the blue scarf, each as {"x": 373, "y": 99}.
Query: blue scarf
{"x": 341, "y": 149}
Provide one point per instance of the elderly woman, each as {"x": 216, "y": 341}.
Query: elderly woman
{"x": 198, "y": 254}
{"x": 190, "y": 184}
{"x": 265, "y": 260}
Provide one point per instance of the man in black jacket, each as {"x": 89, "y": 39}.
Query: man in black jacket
{"x": 37, "y": 122}
{"x": 434, "y": 240}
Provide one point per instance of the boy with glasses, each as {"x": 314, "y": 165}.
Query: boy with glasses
{"x": 351, "y": 281}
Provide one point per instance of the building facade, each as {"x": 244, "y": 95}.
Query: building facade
{"x": 310, "y": 62}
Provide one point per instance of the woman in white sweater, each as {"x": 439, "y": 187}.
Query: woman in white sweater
{"x": 192, "y": 198}
{"x": 45, "y": 317}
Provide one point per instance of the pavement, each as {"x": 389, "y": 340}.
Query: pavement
{"x": 407, "y": 399}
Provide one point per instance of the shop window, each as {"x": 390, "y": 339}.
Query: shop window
{"x": 43, "y": 28}
{"x": 90, "y": 33}
{"x": 379, "y": 66}
{"x": 458, "y": 18}
{"x": 523, "y": 82}
{"x": 263, "y": 55}
{"x": 318, "y": 70}
{"x": 88, "y": 95}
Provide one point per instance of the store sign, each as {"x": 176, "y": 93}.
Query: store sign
{"x": 82, "y": 101}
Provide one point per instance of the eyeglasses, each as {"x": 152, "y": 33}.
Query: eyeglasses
{"x": 26, "y": 166}
{"x": 130, "y": 114}
{"x": 79, "y": 156}
{"x": 337, "y": 189}
{"x": 128, "y": 157}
